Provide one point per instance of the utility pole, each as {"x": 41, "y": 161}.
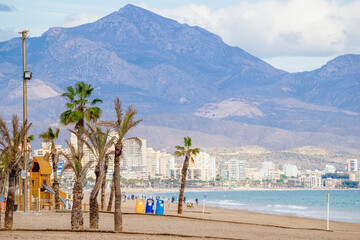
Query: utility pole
{"x": 24, "y": 34}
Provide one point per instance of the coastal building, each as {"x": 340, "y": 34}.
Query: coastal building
{"x": 330, "y": 168}
{"x": 253, "y": 174}
{"x": 224, "y": 170}
{"x": 290, "y": 170}
{"x": 166, "y": 162}
{"x": 274, "y": 174}
{"x": 158, "y": 164}
{"x": 206, "y": 163}
{"x": 333, "y": 183}
{"x": 312, "y": 180}
{"x": 352, "y": 165}
{"x": 134, "y": 158}
{"x": 265, "y": 166}
{"x": 237, "y": 170}
{"x": 152, "y": 162}
{"x": 203, "y": 168}
{"x": 354, "y": 176}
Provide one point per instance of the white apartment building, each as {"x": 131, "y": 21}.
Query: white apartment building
{"x": 152, "y": 162}
{"x": 236, "y": 170}
{"x": 134, "y": 156}
{"x": 166, "y": 162}
{"x": 206, "y": 163}
{"x": 253, "y": 174}
{"x": 158, "y": 164}
{"x": 290, "y": 170}
{"x": 352, "y": 165}
{"x": 265, "y": 166}
{"x": 330, "y": 168}
{"x": 311, "y": 181}
{"x": 202, "y": 169}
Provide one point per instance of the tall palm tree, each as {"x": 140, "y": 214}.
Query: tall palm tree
{"x": 103, "y": 185}
{"x": 99, "y": 143}
{"x": 121, "y": 127}
{"x": 189, "y": 157}
{"x": 3, "y": 174}
{"x": 80, "y": 108}
{"x": 111, "y": 197}
{"x": 50, "y": 136}
{"x": 12, "y": 150}
{"x": 73, "y": 162}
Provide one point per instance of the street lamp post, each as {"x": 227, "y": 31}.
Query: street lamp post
{"x": 26, "y": 76}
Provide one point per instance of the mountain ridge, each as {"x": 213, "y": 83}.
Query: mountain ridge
{"x": 171, "y": 71}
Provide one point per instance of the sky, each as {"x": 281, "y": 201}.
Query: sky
{"x": 293, "y": 35}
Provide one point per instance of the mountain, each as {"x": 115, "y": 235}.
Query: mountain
{"x": 184, "y": 80}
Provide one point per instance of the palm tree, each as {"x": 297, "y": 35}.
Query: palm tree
{"x": 121, "y": 127}
{"x": 189, "y": 157}
{"x": 3, "y": 174}
{"x": 12, "y": 152}
{"x": 50, "y": 136}
{"x": 74, "y": 163}
{"x": 103, "y": 185}
{"x": 99, "y": 143}
{"x": 79, "y": 110}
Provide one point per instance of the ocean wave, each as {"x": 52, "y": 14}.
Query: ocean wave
{"x": 277, "y": 206}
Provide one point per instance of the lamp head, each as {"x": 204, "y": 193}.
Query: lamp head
{"x": 27, "y": 75}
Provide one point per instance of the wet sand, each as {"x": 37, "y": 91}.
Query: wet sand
{"x": 215, "y": 223}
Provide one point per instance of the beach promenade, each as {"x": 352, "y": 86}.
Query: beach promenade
{"x": 214, "y": 224}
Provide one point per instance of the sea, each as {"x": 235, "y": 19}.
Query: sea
{"x": 344, "y": 204}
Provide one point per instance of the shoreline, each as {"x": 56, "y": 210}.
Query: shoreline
{"x": 163, "y": 190}
{"x": 286, "y": 208}
{"x": 215, "y": 223}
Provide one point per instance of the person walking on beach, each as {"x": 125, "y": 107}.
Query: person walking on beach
{"x": 168, "y": 202}
{"x": 184, "y": 199}
{"x": 197, "y": 201}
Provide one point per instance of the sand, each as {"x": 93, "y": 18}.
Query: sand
{"x": 214, "y": 224}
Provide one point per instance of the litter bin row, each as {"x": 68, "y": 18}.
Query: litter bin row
{"x": 149, "y": 208}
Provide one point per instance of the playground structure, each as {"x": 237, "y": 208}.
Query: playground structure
{"x": 42, "y": 194}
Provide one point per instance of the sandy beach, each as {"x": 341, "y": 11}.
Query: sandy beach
{"x": 214, "y": 224}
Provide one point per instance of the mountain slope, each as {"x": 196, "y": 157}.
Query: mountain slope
{"x": 187, "y": 80}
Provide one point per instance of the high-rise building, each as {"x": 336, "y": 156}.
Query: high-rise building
{"x": 134, "y": 158}
{"x": 352, "y": 165}
{"x": 330, "y": 168}
{"x": 206, "y": 163}
{"x": 152, "y": 162}
{"x": 265, "y": 166}
{"x": 290, "y": 170}
{"x": 233, "y": 170}
{"x": 202, "y": 169}
{"x": 166, "y": 162}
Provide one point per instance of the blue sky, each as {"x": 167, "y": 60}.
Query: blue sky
{"x": 294, "y": 35}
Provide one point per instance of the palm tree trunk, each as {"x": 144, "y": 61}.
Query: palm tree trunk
{"x": 10, "y": 202}
{"x": 80, "y": 128}
{"x": 77, "y": 221}
{"x": 2, "y": 188}
{"x": 117, "y": 212}
{"x": 94, "y": 205}
{"x": 183, "y": 182}
{"x": 57, "y": 194}
{"x": 56, "y": 182}
{"x": 111, "y": 195}
{"x": 103, "y": 185}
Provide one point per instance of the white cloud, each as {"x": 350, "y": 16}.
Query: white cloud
{"x": 270, "y": 28}
{"x": 7, "y": 33}
{"x": 77, "y": 19}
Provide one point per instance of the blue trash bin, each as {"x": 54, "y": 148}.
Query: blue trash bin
{"x": 159, "y": 207}
{"x": 150, "y": 206}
